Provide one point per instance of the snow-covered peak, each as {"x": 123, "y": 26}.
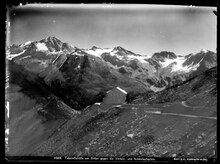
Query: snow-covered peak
{"x": 41, "y": 47}
{"x": 116, "y": 51}
{"x": 204, "y": 50}
{"x": 119, "y": 48}
{"x": 52, "y": 39}
{"x": 77, "y": 51}
{"x": 98, "y": 51}
{"x": 26, "y": 43}
{"x": 123, "y": 52}
{"x": 160, "y": 56}
{"x": 201, "y": 51}
{"x": 95, "y": 48}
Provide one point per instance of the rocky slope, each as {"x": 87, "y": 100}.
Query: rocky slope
{"x": 180, "y": 124}
{"x": 198, "y": 90}
{"x": 33, "y": 111}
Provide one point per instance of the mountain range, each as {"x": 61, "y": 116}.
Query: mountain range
{"x": 50, "y": 84}
{"x": 52, "y": 60}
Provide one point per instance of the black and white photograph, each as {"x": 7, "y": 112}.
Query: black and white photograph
{"x": 102, "y": 82}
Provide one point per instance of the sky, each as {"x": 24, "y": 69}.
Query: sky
{"x": 143, "y": 29}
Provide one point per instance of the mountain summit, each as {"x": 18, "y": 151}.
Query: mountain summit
{"x": 94, "y": 48}
{"x": 161, "y": 56}
{"x": 53, "y": 44}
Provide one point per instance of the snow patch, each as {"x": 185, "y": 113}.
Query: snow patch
{"x": 41, "y": 47}
{"x": 173, "y": 155}
{"x": 99, "y": 52}
{"x": 140, "y": 58}
{"x": 7, "y": 107}
{"x": 204, "y": 50}
{"x": 190, "y": 67}
{"x": 156, "y": 89}
{"x": 76, "y": 53}
{"x": 130, "y": 135}
{"x": 167, "y": 62}
{"x": 7, "y": 131}
{"x": 11, "y": 56}
{"x": 27, "y": 43}
{"x": 97, "y": 103}
{"x": 178, "y": 66}
{"x": 121, "y": 90}
{"x": 196, "y": 66}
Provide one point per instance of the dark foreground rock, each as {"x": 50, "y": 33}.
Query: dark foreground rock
{"x": 132, "y": 131}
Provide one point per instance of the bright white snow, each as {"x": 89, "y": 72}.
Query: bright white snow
{"x": 196, "y": 66}
{"x": 112, "y": 52}
{"x": 130, "y": 135}
{"x": 204, "y": 50}
{"x": 7, "y": 131}
{"x": 27, "y": 43}
{"x": 167, "y": 62}
{"x": 77, "y": 53}
{"x": 99, "y": 52}
{"x": 11, "y": 56}
{"x": 41, "y": 47}
{"x": 121, "y": 90}
{"x": 178, "y": 66}
{"x": 140, "y": 58}
{"x": 7, "y": 107}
